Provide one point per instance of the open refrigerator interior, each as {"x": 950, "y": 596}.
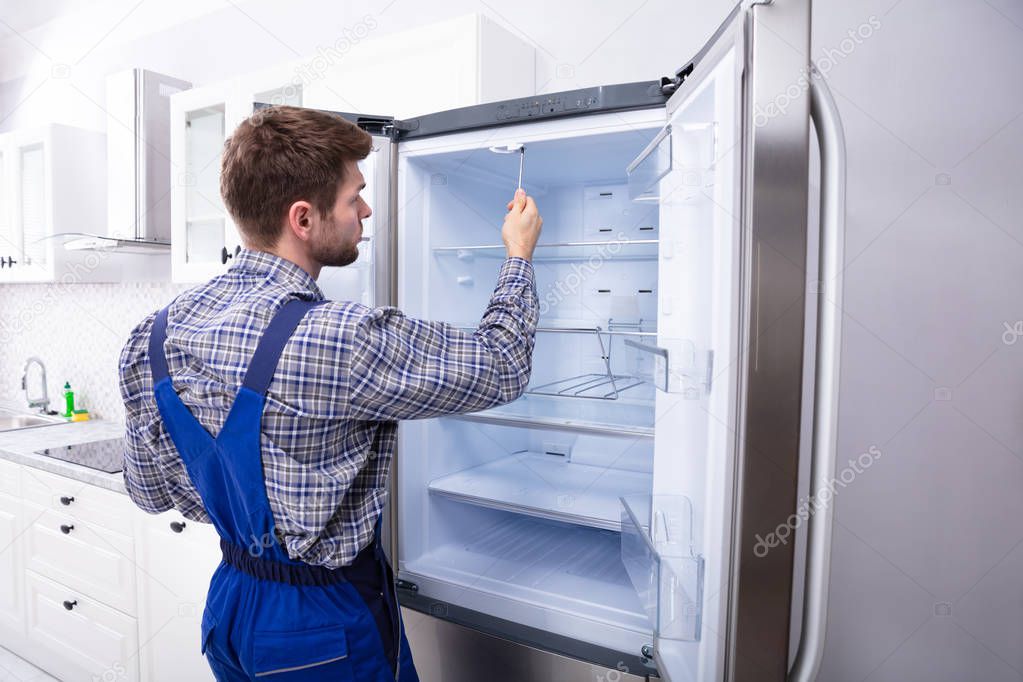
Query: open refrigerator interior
{"x": 517, "y": 512}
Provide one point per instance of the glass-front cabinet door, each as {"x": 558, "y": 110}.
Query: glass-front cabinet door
{"x": 201, "y": 120}
{"x": 205, "y": 239}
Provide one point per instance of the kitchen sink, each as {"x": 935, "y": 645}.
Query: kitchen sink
{"x": 13, "y": 421}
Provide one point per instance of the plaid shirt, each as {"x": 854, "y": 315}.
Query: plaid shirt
{"x": 345, "y": 376}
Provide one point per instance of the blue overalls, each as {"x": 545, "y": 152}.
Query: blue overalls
{"x": 268, "y": 616}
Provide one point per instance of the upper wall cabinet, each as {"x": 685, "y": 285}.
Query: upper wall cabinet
{"x": 203, "y": 237}
{"x": 52, "y": 184}
{"x": 455, "y": 63}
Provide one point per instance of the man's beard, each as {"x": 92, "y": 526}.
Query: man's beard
{"x": 330, "y": 253}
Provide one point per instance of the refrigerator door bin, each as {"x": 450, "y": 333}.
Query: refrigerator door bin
{"x": 687, "y": 148}
{"x": 659, "y": 555}
{"x": 651, "y": 165}
{"x": 677, "y": 367}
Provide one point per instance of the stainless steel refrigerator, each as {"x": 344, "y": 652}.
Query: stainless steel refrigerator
{"x": 627, "y": 515}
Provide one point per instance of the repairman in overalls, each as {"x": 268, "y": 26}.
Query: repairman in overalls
{"x": 254, "y": 404}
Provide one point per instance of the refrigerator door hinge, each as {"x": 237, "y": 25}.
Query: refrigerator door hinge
{"x": 406, "y": 585}
{"x": 669, "y": 84}
{"x": 393, "y": 128}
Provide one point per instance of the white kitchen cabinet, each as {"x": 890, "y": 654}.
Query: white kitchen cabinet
{"x": 82, "y": 555}
{"x": 52, "y": 181}
{"x": 454, "y": 63}
{"x": 200, "y": 225}
{"x": 91, "y": 587}
{"x": 204, "y": 239}
{"x": 176, "y": 559}
{"x": 83, "y": 638}
{"x": 12, "y": 616}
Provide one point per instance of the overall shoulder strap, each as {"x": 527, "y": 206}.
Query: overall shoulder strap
{"x": 157, "y": 335}
{"x": 268, "y": 351}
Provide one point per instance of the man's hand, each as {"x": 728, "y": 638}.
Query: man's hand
{"x": 521, "y": 226}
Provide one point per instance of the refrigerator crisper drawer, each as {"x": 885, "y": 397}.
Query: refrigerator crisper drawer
{"x": 557, "y": 577}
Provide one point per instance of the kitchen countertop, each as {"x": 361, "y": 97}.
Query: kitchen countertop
{"x": 19, "y": 446}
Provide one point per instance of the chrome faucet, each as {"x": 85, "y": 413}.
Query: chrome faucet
{"x": 43, "y": 402}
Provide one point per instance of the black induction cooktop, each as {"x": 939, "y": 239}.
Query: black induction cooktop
{"x": 102, "y": 455}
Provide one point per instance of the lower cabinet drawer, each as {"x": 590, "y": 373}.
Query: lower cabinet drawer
{"x": 10, "y": 478}
{"x": 90, "y": 559}
{"x": 88, "y": 640}
{"x": 113, "y": 511}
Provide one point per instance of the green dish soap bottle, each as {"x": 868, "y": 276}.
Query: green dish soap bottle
{"x": 69, "y": 400}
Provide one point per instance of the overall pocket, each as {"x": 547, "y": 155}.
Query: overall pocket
{"x": 313, "y": 654}
{"x": 206, "y": 630}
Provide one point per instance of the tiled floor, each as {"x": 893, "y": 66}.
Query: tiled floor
{"x": 14, "y": 669}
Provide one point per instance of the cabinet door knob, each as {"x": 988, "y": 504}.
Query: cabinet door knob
{"x": 70, "y": 604}
{"x": 65, "y": 528}
{"x": 177, "y": 526}
{"x": 225, "y": 254}
{"x": 66, "y": 500}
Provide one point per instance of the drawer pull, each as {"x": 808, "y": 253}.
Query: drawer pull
{"x": 65, "y": 528}
{"x": 70, "y": 604}
{"x": 177, "y": 526}
{"x": 66, "y": 501}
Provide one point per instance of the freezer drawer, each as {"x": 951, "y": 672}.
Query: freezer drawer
{"x": 462, "y": 647}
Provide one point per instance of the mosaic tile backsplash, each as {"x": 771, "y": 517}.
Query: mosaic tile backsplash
{"x": 78, "y": 332}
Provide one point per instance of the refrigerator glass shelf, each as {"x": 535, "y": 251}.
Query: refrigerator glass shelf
{"x": 659, "y": 553}
{"x": 626, "y": 416}
{"x": 572, "y": 569}
{"x": 617, "y": 329}
{"x": 616, "y": 249}
{"x": 546, "y": 486}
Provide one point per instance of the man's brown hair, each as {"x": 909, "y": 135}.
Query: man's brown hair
{"x": 281, "y": 155}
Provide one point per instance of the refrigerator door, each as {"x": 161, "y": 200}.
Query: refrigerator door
{"x": 370, "y": 279}
{"x": 711, "y": 549}
{"x": 676, "y": 539}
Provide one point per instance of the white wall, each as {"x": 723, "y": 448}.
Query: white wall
{"x": 55, "y": 71}
{"x": 928, "y": 540}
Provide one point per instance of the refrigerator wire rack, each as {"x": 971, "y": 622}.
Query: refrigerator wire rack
{"x": 606, "y": 385}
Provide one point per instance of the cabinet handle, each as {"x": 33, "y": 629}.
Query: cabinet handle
{"x": 66, "y": 501}
{"x": 70, "y": 604}
{"x": 65, "y": 529}
{"x": 225, "y": 254}
{"x": 177, "y": 526}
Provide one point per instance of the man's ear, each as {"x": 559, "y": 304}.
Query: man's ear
{"x": 300, "y": 219}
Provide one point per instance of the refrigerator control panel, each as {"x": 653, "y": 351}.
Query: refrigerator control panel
{"x": 602, "y": 98}
{"x": 539, "y": 106}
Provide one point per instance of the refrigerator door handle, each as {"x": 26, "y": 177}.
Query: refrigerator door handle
{"x": 831, "y": 138}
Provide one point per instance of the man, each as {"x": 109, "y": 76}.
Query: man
{"x": 253, "y": 404}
